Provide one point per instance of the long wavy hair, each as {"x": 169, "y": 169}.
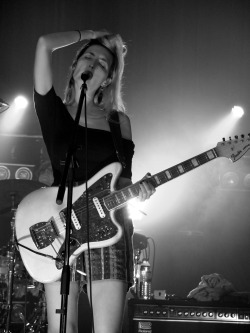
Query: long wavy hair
{"x": 109, "y": 97}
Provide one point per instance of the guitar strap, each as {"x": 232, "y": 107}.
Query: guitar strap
{"x": 115, "y": 129}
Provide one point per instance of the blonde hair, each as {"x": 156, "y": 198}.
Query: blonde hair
{"x": 111, "y": 96}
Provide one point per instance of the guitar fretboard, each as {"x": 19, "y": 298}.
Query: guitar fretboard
{"x": 120, "y": 197}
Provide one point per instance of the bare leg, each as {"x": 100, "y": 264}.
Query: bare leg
{"x": 108, "y": 297}
{"x": 53, "y": 300}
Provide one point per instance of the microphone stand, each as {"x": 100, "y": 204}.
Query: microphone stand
{"x": 68, "y": 174}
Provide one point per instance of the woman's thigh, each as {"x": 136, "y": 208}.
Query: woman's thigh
{"x": 108, "y": 300}
{"x": 53, "y": 301}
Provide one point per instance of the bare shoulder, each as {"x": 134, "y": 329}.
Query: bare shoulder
{"x": 125, "y": 126}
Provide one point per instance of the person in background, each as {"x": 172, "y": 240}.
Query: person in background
{"x": 45, "y": 173}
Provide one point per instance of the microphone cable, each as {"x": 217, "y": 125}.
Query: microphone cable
{"x": 87, "y": 211}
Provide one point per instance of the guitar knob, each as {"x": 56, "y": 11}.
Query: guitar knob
{"x": 242, "y": 136}
{"x": 236, "y": 137}
{"x": 230, "y": 138}
{"x": 223, "y": 139}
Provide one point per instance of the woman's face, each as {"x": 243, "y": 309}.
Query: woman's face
{"x": 96, "y": 59}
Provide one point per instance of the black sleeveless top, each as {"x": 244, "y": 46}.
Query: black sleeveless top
{"x": 57, "y": 124}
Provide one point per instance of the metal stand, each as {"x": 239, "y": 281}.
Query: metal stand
{"x": 68, "y": 176}
{"x": 12, "y": 257}
{"x": 137, "y": 255}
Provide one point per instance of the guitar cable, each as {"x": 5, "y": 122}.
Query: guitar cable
{"x": 39, "y": 253}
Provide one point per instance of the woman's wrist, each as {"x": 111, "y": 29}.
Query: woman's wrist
{"x": 79, "y": 35}
{"x": 85, "y": 34}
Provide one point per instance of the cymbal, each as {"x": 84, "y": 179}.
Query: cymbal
{"x": 12, "y": 191}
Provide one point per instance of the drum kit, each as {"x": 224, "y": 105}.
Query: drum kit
{"x": 22, "y": 300}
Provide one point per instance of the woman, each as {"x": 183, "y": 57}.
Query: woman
{"x": 103, "y": 57}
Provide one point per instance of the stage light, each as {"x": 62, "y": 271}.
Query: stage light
{"x": 13, "y": 117}
{"x": 236, "y": 176}
{"x": 135, "y": 209}
{"x": 24, "y": 173}
{"x": 230, "y": 180}
{"x": 246, "y": 181}
{"x": 20, "y": 102}
{"x": 16, "y": 171}
{"x": 4, "y": 172}
{"x": 3, "y": 105}
{"x": 237, "y": 111}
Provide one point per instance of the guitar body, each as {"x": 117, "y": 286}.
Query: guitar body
{"x": 40, "y": 224}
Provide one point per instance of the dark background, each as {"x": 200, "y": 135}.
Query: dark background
{"x": 187, "y": 65}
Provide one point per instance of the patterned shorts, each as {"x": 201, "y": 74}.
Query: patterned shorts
{"x": 112, "y": 262}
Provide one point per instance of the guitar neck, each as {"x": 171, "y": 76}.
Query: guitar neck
{"x": 120, "y": 197}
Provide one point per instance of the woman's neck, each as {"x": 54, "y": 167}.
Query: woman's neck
{"x": 96, "y": 117}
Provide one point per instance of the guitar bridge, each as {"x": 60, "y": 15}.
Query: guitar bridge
{"x": 43, "y": 233}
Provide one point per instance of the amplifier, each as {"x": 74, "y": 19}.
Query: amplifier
{"x": 159, "y": 316}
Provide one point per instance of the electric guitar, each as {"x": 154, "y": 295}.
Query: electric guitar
{"x": 40, "y": 222}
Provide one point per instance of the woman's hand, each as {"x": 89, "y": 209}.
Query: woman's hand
{"x": 146, "y": 188}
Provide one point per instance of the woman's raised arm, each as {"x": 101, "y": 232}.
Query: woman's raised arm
{"x": 46, "y": 44}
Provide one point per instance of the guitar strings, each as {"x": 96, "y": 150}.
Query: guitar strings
{"x": 60, "y": 229}
{"x": 82, "y": 210}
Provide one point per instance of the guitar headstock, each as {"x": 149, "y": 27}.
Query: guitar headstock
{"x": 235, "y": 148}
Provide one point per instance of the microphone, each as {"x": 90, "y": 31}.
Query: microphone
{"x": 87, "y": 75}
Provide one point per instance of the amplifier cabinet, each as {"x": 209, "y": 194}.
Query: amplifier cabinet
{"x": 160, "y": 316}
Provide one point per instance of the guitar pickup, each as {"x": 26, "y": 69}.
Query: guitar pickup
{"x": 98, "y": 207}
{"x": 74, "y": 219}
{"x": 43, "y": 234}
